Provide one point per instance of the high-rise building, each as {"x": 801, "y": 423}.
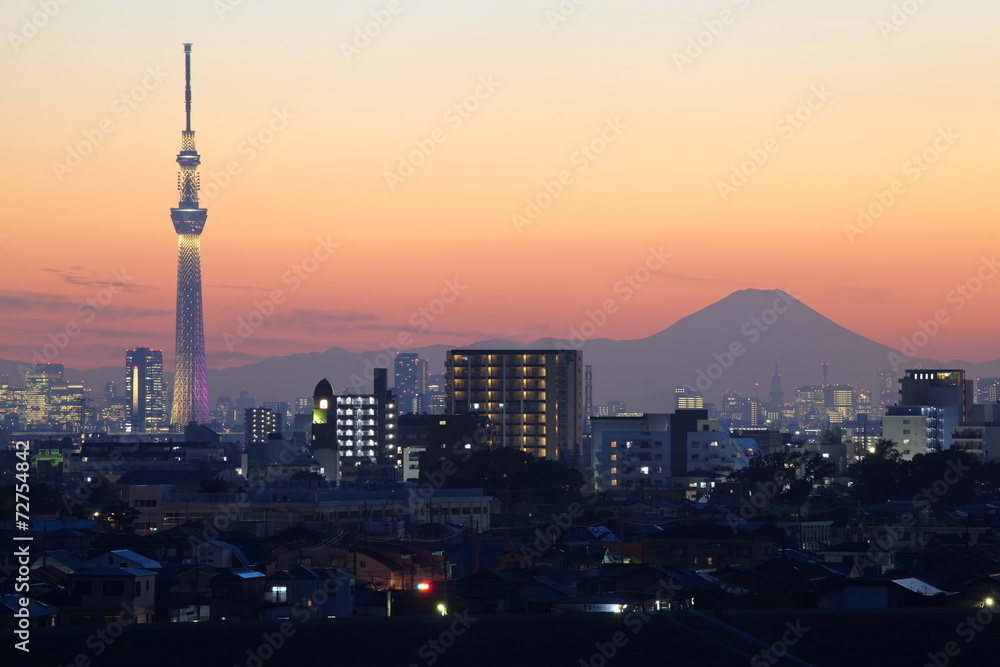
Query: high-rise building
{"x": 110, "y": 392}
{"x": 323, "y": 436}
{"x": 224, "y": 413}
{"x": 810, "y": 406}
{"x": 688, "y": 398}
{"x": 841, "y": 403}
{"x": 437, "y": 394}
{"x": 732, "y": 408}
{"x": 886, "y": 390}
{"x": 777, "y": 395}
{"x": 190, "y": 401}
{"x": 535, "y": 397}
{"x": 354, "y": 435}
{"x": 50, "y": 402}
{"x": 914, "y": 429}
{"x": 280, "y": 407}
{"x": 988, "y": 390}
{"x": 754, "y": 412}
{"x": 244, "y": 400}
{"x": 144, "y": 389}
{"x": 410, "y": 382}
{"x": 944, "y": 389}
{"x": 260, "y": 423}
{"x": 611, "y": 409}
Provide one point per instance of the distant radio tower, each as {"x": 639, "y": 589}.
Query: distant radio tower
{"x": 190, "y": 387}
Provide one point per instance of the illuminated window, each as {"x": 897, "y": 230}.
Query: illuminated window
{"x": 277, "y": 594}
{"x": 614, "y": 457}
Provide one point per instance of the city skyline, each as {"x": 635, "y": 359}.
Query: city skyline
{"x": 630, "y": 119}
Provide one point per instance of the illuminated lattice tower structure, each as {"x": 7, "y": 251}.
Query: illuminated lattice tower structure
{"x": 190, "y": 387}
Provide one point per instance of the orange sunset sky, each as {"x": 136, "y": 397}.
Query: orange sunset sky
{"x": 677, "y": 94}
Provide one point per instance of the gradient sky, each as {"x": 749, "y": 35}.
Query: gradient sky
{"x": 682, "y": 130}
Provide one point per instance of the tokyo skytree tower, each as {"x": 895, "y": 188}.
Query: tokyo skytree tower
{"x": 190, "y": 387}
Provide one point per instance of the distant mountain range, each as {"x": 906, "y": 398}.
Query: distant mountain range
{"x": 729, "y": 345}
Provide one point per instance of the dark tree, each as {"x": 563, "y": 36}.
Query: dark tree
{"x": 213, "y": 485}
{"x": 948, "y": 477}
{"x": 875, "y": 477}
{"x": 506, "y": 471}
{"x": 795, "y": 474}
{"x": 118, "y": 519}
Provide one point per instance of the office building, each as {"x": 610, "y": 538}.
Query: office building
{"x": 50, "y": 402}
{"x": 687, "y": 398}
{"x": 841, "y": 404}
{"x": 437, "y": 394}
{"x": 810, "y": 406}
{"x": 410, "y": 376}
{"x": 988, "y": 390}
{"x": 144, "y": 390}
